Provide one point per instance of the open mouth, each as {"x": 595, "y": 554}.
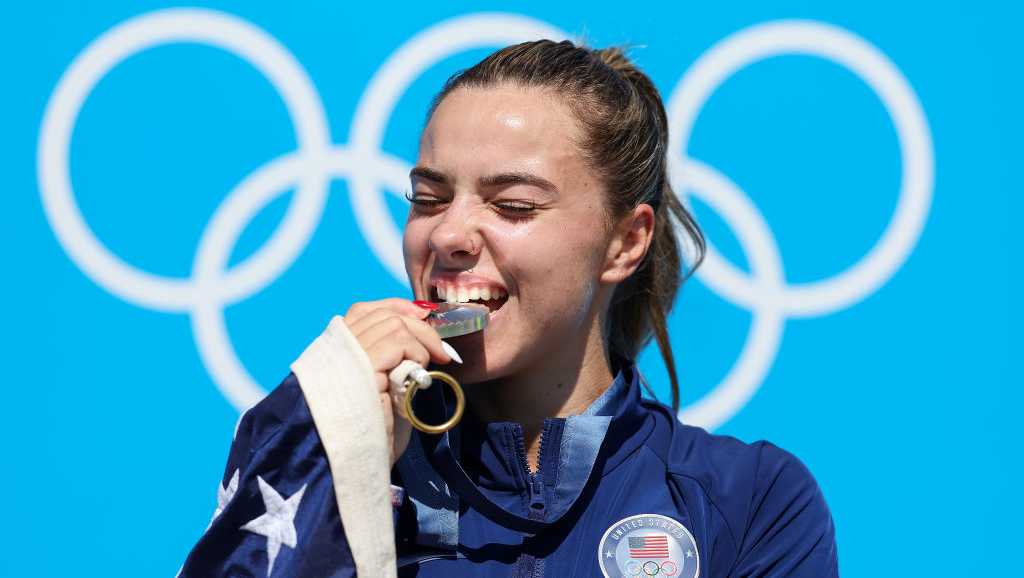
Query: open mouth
{"x": 492, "y": 297}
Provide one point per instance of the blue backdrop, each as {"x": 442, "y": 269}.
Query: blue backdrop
{"x": 191, "y": 194}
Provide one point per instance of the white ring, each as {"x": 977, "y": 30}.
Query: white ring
{"x": 130, "y": 37}
{"x": 803, "y": 37}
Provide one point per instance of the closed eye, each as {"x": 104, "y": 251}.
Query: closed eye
{"x": 516, "y": 206}
{"x": 424, "y": 201}
{"x": 516, "y": 210}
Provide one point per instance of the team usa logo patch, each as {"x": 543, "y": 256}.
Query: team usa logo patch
{"x": 648, "y": 545}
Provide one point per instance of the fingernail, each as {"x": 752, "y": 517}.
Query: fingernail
{"x": 451, "y": 352}
{"x": 425, "y": 305}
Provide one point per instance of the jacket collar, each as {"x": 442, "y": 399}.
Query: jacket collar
{"x": 602, "y": 436}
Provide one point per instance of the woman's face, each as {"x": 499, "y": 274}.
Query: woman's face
{"x": 504, "y": 206}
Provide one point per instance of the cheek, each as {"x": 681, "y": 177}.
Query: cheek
{"x": 558, "y": 272}
{"x": 414, "y": 247}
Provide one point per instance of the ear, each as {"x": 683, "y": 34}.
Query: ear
{"x": 631, "y": 238}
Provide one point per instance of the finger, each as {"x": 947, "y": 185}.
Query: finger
{"x": 401, "y": 427}
{"x": 397, "y": 399}
{"x": 357, "y": 311}
{"x": 398, "y": 305}
{"x": 389, "y": 413}
{"x": 427, "y": 336}
{"x": 381, "y": 322}
{"x": 399, "y": 418}
{"x": 393, "y": 348}
{"x": 400, "y": 430}
{"x": 369, "y": 326}
{"x": 404, "y": 307}
{"x": 369, "y": 318}
{"x": 389, "y": 326}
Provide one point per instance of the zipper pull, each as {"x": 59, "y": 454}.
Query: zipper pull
{"x": 536, "y": 497}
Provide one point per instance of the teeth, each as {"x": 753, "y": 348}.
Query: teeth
{"x": 453, "y": 294}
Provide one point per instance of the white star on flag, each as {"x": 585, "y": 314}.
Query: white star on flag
{"x": 224, "y": 496}
{"x": 278, "y": 524}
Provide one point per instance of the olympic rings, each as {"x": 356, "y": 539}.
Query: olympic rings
{"x": 369, "y": 170}
{"x": 652, "y": 568}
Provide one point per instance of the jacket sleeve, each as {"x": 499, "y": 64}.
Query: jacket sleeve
{"x": 276, "y": 512}
{"x": 790, "y": 531}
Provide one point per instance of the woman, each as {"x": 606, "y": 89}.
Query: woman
{"x": 541, "y": 191}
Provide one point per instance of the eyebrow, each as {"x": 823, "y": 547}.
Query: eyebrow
{"x": 518, "y": 178}
{"x": 429, "y": 174}
{"x": 496, "y": 180}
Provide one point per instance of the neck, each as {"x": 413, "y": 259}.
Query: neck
{"x": 564, "y": 383}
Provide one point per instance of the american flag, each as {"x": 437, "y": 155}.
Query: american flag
{"x": 647, "y": 547}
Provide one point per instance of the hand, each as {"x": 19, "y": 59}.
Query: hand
{"x": 390, "y": 331}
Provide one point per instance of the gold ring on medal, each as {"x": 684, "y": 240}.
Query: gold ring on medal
{"x": 460, "y": 404}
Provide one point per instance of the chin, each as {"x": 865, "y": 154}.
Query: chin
{"x": 481, "y": 361}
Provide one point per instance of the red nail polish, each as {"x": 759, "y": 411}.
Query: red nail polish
{"x": 425, "y": 305}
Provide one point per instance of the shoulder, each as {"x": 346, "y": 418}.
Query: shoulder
{"x": 720, "y": 462}
{"x": 776, "y": 515}
{"x": 727, "y": 466}
{"x": 753, "y": 485}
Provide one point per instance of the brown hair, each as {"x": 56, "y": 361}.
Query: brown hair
{"x": 625, "y": 139}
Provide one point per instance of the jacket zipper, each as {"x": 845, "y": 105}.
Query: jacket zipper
{"x": 529, "y": 566}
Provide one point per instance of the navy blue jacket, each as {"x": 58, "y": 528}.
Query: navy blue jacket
{"x": 623, "y": 490}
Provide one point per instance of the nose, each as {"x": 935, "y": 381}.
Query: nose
{"x": 456, "y": 240}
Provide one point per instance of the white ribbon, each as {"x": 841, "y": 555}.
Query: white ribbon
{"x": 338, "y": 383}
